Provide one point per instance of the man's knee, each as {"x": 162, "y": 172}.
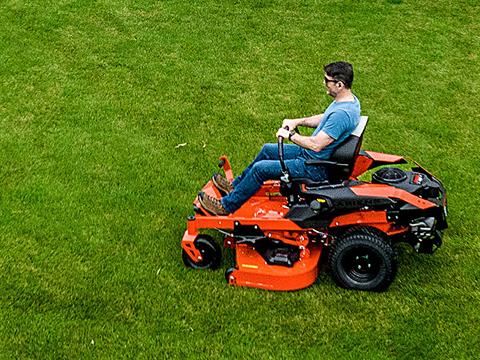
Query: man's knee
{"x": 269, "y": 151}
{"x": 260, "y": 170}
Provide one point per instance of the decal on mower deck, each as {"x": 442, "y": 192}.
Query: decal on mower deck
{"x": 272, "y": 194}
{"x": 361, "y": 202}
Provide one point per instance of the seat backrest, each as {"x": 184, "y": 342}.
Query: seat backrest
{"x": 347, "y": 152}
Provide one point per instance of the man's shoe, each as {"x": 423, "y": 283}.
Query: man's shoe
{"x": 222, "y": 184}
{"x": 212, "y": 205}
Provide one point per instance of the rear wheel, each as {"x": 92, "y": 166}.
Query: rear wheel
{"x": 363, "y": 261}
{"x": 210, "y": 251}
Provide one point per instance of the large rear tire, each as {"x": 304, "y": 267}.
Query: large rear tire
{"x": 363, "y": 261}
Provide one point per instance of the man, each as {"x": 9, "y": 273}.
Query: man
{"x": 331, "y": 129}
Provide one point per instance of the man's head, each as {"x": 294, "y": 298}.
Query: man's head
{"x": 338, "y": 79}
{"x": 339, "y": 71}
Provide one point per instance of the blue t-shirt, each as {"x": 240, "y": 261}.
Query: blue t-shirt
{"x": 339, "y": 120}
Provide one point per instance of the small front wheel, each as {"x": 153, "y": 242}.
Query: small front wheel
{"x": 228, "y": 276}
{"x": 363, "y": 261}
{"x": 210, "y": 251}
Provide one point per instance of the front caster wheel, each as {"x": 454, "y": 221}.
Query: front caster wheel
{"x": 210, "y": 251}
{"x": 363, "y": 261}
{"x": 228, "y": 273}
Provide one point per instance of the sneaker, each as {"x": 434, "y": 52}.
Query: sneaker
{"x": 212, "y": 205}
{"x": 222, "y": 184}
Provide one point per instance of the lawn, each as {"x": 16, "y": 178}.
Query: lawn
{"x": 97, "y": 96}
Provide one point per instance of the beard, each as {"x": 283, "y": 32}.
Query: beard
{"x": 332, "y": 93}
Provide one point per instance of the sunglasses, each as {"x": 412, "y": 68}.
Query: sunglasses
{"x": 325, "y": 80}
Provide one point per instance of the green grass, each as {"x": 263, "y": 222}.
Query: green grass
{"x": 94, "y": 98}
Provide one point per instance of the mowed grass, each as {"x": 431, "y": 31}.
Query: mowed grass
{"x": 95, "y": 98}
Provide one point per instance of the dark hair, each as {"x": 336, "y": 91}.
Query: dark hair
{"x": 340, "y": 71}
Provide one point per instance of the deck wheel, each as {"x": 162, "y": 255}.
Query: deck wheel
{"x": 210, "y": 251}
{"x": 229, "y": 272}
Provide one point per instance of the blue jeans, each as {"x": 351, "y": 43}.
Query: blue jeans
{"x": 266, "y": 166}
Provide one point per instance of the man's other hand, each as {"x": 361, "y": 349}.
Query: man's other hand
{"x": 291, "y": 123}
{"x": 283, "y": 133}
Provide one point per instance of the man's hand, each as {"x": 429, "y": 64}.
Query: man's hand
{"x": 283, "y": 133}
{"x": 291, "y": 123}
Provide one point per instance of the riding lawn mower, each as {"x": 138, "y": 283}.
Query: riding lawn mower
{"x": 279, "y": 234}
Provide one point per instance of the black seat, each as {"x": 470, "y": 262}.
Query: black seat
{"x": 341, "y": 163}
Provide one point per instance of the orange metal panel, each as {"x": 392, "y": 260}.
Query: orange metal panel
{"x": 359, "y": 218}
{"x": 189, "y": 247}
{"x": 362, "y": 164}
{"x": 388, "y": 158}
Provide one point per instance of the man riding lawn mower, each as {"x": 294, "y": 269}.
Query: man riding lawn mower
{"x": 295, "y": 201}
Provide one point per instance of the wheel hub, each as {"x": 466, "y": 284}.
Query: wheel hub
{"x": 362, "y": 266}
{"x": 362, "y": 263}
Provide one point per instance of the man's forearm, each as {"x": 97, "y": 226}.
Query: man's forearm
{"x": 311, "y": 121}
{"x": 315, "y": 143}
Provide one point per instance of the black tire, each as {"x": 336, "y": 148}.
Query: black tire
{"x": 363, "y": 261}
{"x": 365, "y": 230}
{"x": 211, "y": 254}
{"x": 229, "y": 272}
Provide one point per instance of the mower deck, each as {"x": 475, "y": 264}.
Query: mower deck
{"x": 254, "y": 271}
{"x": 266, "y": 211}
